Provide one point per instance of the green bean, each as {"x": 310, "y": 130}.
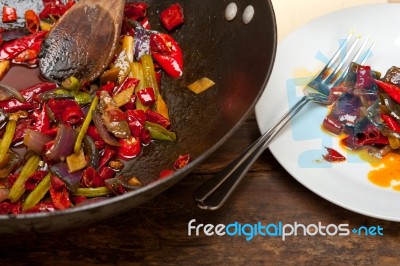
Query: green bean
{"x": 7, "y": 138}
{"x": 71, "y": 84}
{"x": 82, "y": 97}
{"x": 92, "y": 192}
{"x": 159, "y": 132}
{"x": 27, "y": 170}
{"x": 85, "y": 125}
{"x": 38, "y": 193}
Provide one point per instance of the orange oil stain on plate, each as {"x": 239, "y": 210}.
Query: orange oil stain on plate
{"x": 387, "y": 174}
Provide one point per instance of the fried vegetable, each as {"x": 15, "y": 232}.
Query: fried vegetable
{"x": 201, "y": 85}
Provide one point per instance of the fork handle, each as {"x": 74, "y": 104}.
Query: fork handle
{"x": 213, "y": 193}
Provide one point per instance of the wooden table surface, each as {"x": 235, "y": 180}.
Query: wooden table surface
{"x": 157, "y": 232}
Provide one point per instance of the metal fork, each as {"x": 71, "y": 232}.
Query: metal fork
{"x": 214, "y": 192}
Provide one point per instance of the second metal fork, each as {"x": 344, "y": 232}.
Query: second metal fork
{"x": 214, "y": 192}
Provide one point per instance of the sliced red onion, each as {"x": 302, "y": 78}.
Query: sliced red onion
{"x": 63, "y": 144}
{"x": 103, "y": 132}
{"x": 14, "y": 92}
{"x": 71, "y": 180}
{"x": 10, "y": 35}
{"x": 36, "y": 140}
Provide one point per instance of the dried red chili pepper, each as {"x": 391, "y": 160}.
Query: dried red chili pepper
{"x": 90, "y": 178}
{"x": 136, "y": 119}
{"x": 145, "y": 137}
{"x": 42, "y": 207}
{"x": 94, "y": 134}
{"x": 135, "y": 11}
{"x": 157, "y": 118}
{"x": 391, "y": 122}
{"x": 32, "y": 21}
{"x": 166, "y": 51}
{"x": 34, "y": 180}
{"x": 22, "y": 126}
{"x": 166, "y": 172}
{"x": 182, "y": 161}
{"x": 392, "y": 90}
{"x": 30, "y": 94}
{"x": 72, "y": 115}
{"x": 128, "y": 82}
{"x": 130, "y": 148}
{"x": 54, "y": 8}
{"x": 333, "y": 155}
{"x": 108, "y": 154}
{"x": 9, "y": 14}
{"x": 106, "y": 173}
{"x": 11, "y": 49}
{"x": 172, "y": 16}
{"x": 146, "y": 96}
{"x": 59, "y": 194}
{"x": 10, "y": 208}
{"x": 58, "y": 107}
{"x": 40, "y": 119}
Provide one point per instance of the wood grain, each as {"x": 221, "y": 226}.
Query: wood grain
{"x": 156, "y": 232}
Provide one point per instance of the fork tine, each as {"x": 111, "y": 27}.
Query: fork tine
{"x": 338, "y": 76}
{"x": 339, "y": 67}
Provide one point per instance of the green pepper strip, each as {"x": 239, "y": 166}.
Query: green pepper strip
{"x": 7, "y": 138}
{"x": 85, "y": 125}
{"x": 82, "y": 97}
{"x": 159, "y": 132}
{"x": 92, "y": 192}
{"x": 27, "y": 170}
{"x": 149, "y": 74}
{"x": 71, "y": 84}
{"x": 38, "y": 193}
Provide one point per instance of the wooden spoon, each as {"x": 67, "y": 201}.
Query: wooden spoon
{"x": 82, "y": 43}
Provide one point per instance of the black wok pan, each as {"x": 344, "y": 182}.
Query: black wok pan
{"x": 236, "y": 56}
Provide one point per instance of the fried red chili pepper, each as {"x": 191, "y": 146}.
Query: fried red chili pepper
{"x": 9, "y": 14}
{"x": 172, "y": 16}
{"x": 392, "y": 90}
{"x": 130, "y": 148}
{"x": 32, "y": 21}
{"x": 146, "y": 96}
{"x": 167, "y": 53}
{"x": 333, "y": 155}
{"x": 30, "y": 94}
{"x": 11, "y": 49}
{"x": 135, "y": 11}
{"x": 392, "y": 123}
{"x": 54, "y": 9}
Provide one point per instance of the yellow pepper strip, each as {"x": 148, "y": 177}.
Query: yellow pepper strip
{"x": 150, "y": 77}
{"x": 127, "y": 46}
{"x": 4, "y": 66}
{"x": 38, "y": 193}
{"x": 85, "y": 125}
{"x": 7, "y": 138}
{"x": 27, "y": 170}
{"x": 92, "y": 192}
{"x": 124, "y": 96}
{"x": 76, "y": 161}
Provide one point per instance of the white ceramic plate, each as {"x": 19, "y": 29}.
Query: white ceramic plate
{"x": 300, "y": 147}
